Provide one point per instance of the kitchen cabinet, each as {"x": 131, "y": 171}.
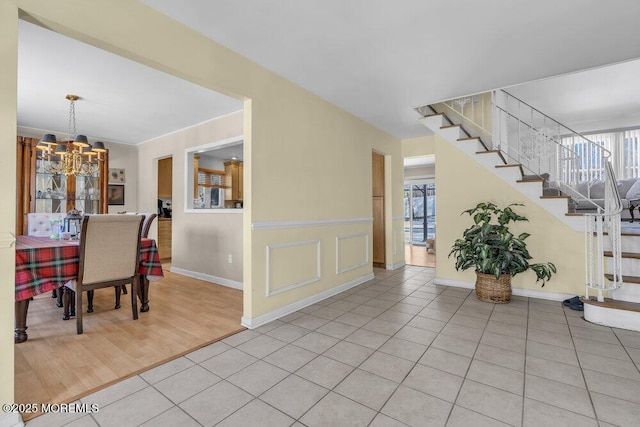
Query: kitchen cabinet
{"x": 211, "y": 189}
{"x": 233, "y": 181}
{"x": 165, "y": 174}
{"x": 164, "y": 238}
{"x": 40, "y": 191}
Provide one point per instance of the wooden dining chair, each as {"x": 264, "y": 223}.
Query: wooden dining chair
{"x": 148, "y": 221}
{"x": 39, "y": 225}
{"x": 109, "y": 257}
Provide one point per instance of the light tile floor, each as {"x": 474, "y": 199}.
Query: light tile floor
{"x": 397, "y": 350}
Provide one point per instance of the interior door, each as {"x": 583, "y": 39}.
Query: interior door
{"x": 420, "y": 212}
{"x": 377, "y": 163}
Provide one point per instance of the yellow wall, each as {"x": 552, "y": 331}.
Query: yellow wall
{"x": 304, "y": 159}
{"x": 461, "y": 184}
{"x": 421, "y": 146}
{"x": 201, "y": 242}
{"x": 8, "y": 101}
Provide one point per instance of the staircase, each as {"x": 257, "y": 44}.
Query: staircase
{"x": 534, "y": 186}
{"x": 622, "y": 310}
{"x": 616, "y": 302}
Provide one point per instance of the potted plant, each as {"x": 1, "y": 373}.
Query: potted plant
{"x": 495, "y": 252}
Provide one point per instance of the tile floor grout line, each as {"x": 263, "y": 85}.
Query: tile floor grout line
{"x": 357, "y": 367}
{"x": 586, "y": 384}
{"x": 406, "y": 347}
{"x": 524, "y": 368}
{"x": 274, "y": 385}
{"x": 625, "y": 349}
{"x": 464, "y": 378}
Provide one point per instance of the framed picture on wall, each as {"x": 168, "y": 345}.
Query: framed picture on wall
{"x": 116, "y": 176}
{"x": 116, "y": 194}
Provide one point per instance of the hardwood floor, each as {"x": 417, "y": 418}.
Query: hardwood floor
{"x": 418, "y": 255}
{"x": 56, "y": 365}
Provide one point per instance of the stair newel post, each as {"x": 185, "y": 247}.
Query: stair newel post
{"x": 600, "y": 251}
{"x": 589, "y": 252}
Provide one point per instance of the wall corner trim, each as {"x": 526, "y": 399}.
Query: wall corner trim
{"x": 395, "y": 266}
{"x": 263, "y": 319}
{"x": 7, "y": 239}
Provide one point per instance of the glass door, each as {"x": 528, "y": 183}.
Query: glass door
{"x": 88, "y": 193}
{"x": 419, "y": 212}
{"x": 51, "y": 191}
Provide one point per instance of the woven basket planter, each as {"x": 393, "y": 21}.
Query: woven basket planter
{"x": 490, "y": 289}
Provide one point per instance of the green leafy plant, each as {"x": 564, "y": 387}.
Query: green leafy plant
{"x": 491, "y": 248}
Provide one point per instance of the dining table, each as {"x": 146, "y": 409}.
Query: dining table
{"x": 44, "y": 264}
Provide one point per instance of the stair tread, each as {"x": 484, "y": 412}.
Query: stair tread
{"x": 624, "y": 233}
{"x": 498, "y": 152}
{"x": 626, "y": 279}
{"x": 531, "y": 180}
{"x": 454, "y": 126}
{"x": 471, "y": 138}
{"x": 555, "y": 197}
{"x": 616, "y": 304}
{"x": 433, "y": 115}
{"x": 574, "y": 214}
{"x": 510, "y": 165}
{"x": 624, "y": 254}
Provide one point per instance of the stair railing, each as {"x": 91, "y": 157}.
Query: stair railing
{"x": 567, "y": 161}
{"x": 595, "y": 227}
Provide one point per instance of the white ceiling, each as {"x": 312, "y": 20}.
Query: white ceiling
{"x": 375, "y": 58}
{"x": 121, "y": 100}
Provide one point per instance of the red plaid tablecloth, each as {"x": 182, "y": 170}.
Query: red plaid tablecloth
{"x": 43, "y": 264}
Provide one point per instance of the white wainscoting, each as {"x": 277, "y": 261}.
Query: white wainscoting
{"x": 274, "y": 254}
{"x": 277, "y": 225}
{"x": 354, "y": 248}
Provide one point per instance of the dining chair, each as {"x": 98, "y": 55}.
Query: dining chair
{"x": 148, "y": 221}
{"x": 146, "y": 226}
{"x": 39, "y": 225}
{"x": 109, "y": 257}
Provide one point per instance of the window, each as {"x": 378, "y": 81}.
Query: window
{"x": 207, "y": 185}
{"x": 625, "y": 154}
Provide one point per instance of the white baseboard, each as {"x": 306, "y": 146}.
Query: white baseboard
{"x": 263, "y": 319}
{"x": 208, "y": 278}
{"x": 456, "y": 283}
{"x": 395, "y": 266}
{"x": 611, "y": 317}
{"x": 530, "y": 293}
{"x": 11, "y": 419}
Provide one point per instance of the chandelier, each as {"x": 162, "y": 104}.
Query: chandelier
{"x": 74, "y": 156}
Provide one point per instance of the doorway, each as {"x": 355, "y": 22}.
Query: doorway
{"x": 420, "y": 222}
{"x": 377, "y": 168}
{"x": 165, "y": 196}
